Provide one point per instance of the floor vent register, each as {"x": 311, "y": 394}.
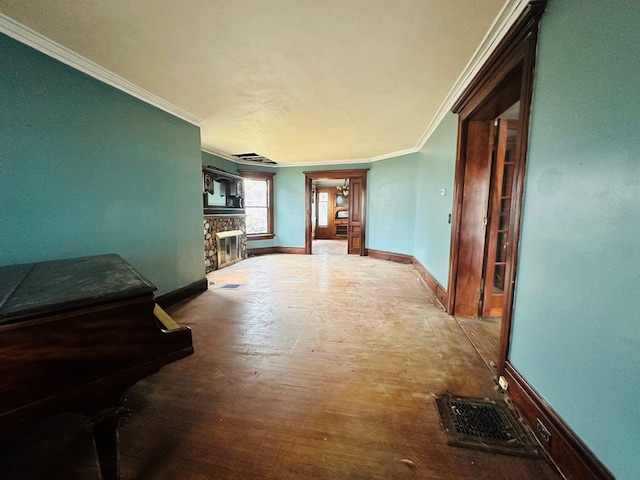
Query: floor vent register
{"x": 484, "y": 424}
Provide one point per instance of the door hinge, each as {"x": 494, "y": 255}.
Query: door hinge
{"x": 485, "y": 221}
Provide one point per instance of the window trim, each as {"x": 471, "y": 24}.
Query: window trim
{"x": 267, "y": 177}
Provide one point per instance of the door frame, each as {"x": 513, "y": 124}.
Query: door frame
{"x": 310, "y": 176}
{"x": 510, "y": 66}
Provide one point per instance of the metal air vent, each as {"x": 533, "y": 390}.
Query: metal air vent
{"x": 254, "y": 158}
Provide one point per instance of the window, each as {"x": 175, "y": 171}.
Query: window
{"x": 323, "y": 209}
{"x": 258, "y": 204}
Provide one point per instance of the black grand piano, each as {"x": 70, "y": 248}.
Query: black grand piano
{"x": 75, "y": 334}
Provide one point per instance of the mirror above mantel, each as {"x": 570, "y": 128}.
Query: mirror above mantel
{"x": 223, "y": 192}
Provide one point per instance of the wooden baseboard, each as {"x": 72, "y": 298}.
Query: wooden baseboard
{"x": 183, "y": 293}
{"x": 254, "y": 252}
{"x": 432, "y": 284}
{"x": 569, "y": 454}
{"x": 390, "y": 256}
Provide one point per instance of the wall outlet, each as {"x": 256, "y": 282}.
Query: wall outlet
{"x": 504, "y": 384}
{"x": 544, "y": 432}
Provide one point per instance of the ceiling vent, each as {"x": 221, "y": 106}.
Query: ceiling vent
{"x": 254, "y": 158}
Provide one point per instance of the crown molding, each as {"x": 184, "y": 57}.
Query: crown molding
{"x": 397, "y": 153}
{"x": 219, "y": 153}
{"x": 30, "y": 37}
{"x": 506, "y": 18}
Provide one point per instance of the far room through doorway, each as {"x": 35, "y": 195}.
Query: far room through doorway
{"x": 335, "y": 208}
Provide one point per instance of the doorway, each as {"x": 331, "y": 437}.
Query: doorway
{"x": 330, "y": 216}
{"x": 350, "y": 226}
{"x": 489, "y": 177}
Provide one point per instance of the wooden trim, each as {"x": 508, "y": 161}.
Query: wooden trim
{"x": 347, "y": 173}
{"x": 255, "y": 252}
{"x": 565, "y": 449}
{"x": 308, "y": 228}
{"x": 506, "y": 55}
{"x": 432, "y": 284}
{"x": 182, "y": 293}
{"x": 390, "y": 256}
{"x": 259, "y": 236}
{"x": 513, "y": 239}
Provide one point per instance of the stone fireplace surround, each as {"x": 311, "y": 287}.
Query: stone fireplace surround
{"x": 221, "y": 223}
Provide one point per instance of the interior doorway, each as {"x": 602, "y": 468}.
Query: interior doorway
{"x": 489, "y": 177}
{"x": 330, "y": 216}
{"x": 336, "y": 210}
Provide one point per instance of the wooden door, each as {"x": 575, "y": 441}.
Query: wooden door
{"x": 499, "y": 212}
{"x": 355, "y": 234}
{"x": 324, "y": 211}
{"x": 475, "y": 201}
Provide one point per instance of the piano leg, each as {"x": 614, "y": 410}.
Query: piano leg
{"x": 104, "y": 426}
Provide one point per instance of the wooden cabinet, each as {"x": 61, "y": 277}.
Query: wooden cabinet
{"x": 341, "y": 227}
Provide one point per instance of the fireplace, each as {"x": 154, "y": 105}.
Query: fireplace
{"x": 221, "y": 224}
{"x": 229, "y": 251}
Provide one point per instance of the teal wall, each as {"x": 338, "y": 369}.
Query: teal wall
{"x": 391, "y": 202}
{"x": 289, "y": 207}
{"x": 434, "y": 171}
{"x": 576, "y": 333}
{"x": 86, "y": 169}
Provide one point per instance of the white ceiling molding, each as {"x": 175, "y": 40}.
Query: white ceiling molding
{"x": 501, "y": 25}
{"x": 220, "y": 153}
{"x": 25, "y": 35}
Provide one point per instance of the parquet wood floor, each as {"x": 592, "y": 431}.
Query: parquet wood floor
{"x": 317, "y": 367}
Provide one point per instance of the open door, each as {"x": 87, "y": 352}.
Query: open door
{"x": 475, "y": 200}
{"x": 499, "y": 211}
{"x": 355, "y": 233}
{"x": 357, "y": 206}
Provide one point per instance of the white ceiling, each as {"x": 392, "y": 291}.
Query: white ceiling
{"x": 297, "y": 81}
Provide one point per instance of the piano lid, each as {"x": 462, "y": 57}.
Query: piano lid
{"x": 30, "y": 289}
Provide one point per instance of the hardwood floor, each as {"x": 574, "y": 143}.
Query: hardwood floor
{"x": 316, "y": 367}
{"x": 484, "y": 335}
{"x": 329, "y": 247}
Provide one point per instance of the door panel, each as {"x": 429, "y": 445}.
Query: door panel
{"x": 499, "y": 211}
{"x": 355, "y": 235}
{"x": 475, "y": 201}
